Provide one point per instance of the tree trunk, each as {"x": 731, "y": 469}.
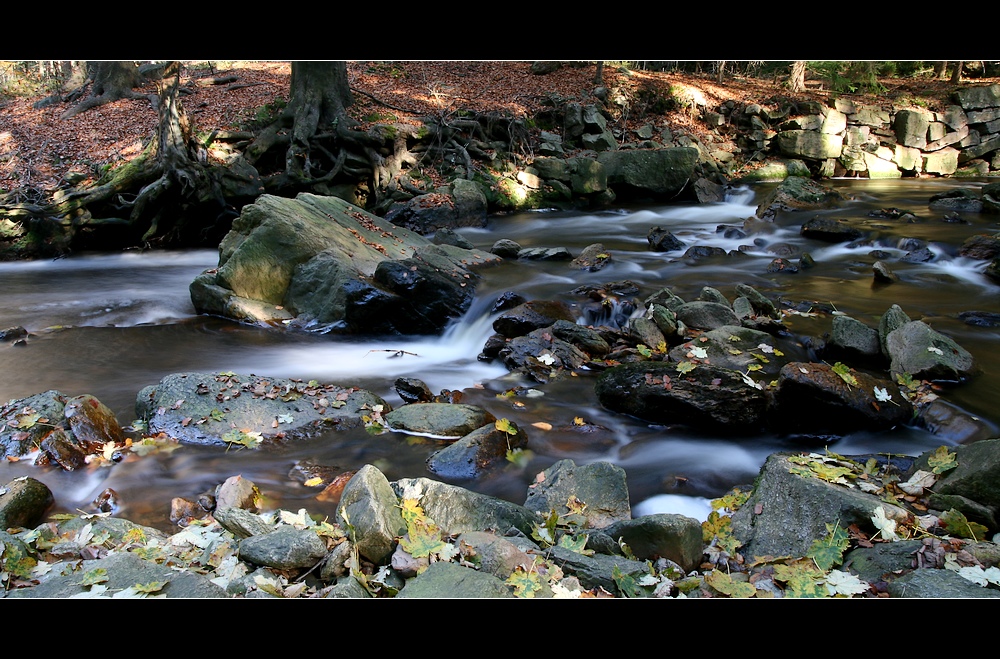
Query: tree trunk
{"x": 941, "y": 69}
{"x": 721, "y": 70}
{"x": 318, "y": 96}
{"x": 956, "y": 75}
{"x": 599, "y": 73}
{"x": 180, "y": 161}
{"x": 111, "y": 81}
{"x": 797, "y": 81}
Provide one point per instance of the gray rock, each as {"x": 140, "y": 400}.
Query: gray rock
{"x": 706, "y": 397}
{"x": 285, "y": 548}
{"x": 674, "y": 537}
{"x": 600, "y": 486}
{"x": 453, "y": 581}
{"x": 208, "y": 408}
{"x": 786, "y": 512}
{"x": 917, "y": 349}
{"x": 446, "y": 420}
{"x": 24, "y": 502}
{"x": 124, "y": 570}
{"x": 369, "y": 506}
{"x": 457, "y": 510}
{"x": 940, "y": 583}
{"x": 478, "y": 453}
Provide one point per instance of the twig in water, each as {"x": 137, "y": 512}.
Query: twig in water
{"x": 395, "y": 353}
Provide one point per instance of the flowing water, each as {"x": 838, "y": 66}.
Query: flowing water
{"x": 111, "y": 324}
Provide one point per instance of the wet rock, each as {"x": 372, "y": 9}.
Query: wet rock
{"x": 740, "y": 349}
{"x": 917, "y": 349}
{"x": 542, "y": 355}
{"x": 706, "y": 397}
{"x": 814, "y": 398}
{"x": 600, "y": 485}
{"x": 782, "y": 265}
{"x": 224, "y": 407}
{"x": 412, "y": 390}
{"x": 438, "y": 419}
{"x": 545, "y": 254}
{"x": 454, "y": 581}
{"x": 883, "y": 274}
{"x": 891, "y": 320}
{"x": 671, "y": 536}
{"x": 706, "y": 315}
{"x": 23, "y": 503}
{"x": 829, "y": 230}
{"x": 316, "y": 259}
{"x": 980, "y": 318}
{"x": 478, "y": 453}
{"x": 13, "y": 333}
{"x": 238, "y": 492}
{"x": 531, "y": 315}
{"x": 505, "y": 248}
{"x": 92, "y": 423}
{"x": 507, "y": 300}
{"x": 25, "y": 421}
{"x": 982, "y": 247}
{"x": 592, "y": 258}
{"x": 796, "y": 193}
{"x": 852, "y": 339}
{"x": 661, "y": 240}
{"x": 786, "y": 512}
{"x": 447, "y": 236}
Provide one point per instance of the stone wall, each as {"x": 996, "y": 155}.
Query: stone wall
{"x": 845, "y": 138}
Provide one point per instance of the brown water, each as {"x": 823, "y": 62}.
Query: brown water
{"x": 109, "y": 325}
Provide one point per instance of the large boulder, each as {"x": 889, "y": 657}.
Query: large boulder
{"x": 249, "y": 410}
{"x": 320, "y": 261}
{"x": 798, "y": 193}
{"x": 705, "y": 397}
{"x": 661, "y": 173}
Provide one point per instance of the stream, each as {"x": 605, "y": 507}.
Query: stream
{"x": 111, "y": 324}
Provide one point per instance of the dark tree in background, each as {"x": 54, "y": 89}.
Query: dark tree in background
{"x": 110, "y": 81}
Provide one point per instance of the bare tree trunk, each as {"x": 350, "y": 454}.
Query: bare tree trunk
{"x": 599, "y": 73}
{"x": 956, "y": 75}
{"x": 941, "y": 69}
{"x": 720, "y": 71}
{"x": 111, "y": 81}
{"x": 797, "y": 81}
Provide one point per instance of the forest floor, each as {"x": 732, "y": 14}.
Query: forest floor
{"x": 38, "y": 148}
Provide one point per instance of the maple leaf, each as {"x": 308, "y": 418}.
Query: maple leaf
{"x": 918, "y": 482}
{"x": 844, "y": 371}
{"x": 576, "y": 544}
{"x": 686, "y": 367}
{"x": 524, "y": 582}
{"x": 507, "y": 426}
{"x": 942, "y": 460}
{"x": 845, "y": 583}
{"x": 423, "y": 538}
{"x": 411, "y": 510}
{"x": 956, "y": 524}
{"x": 828, "y": 552}
{"x": 724, "y": 583}
{"x": 699, "y": 353}
{"x": 802, "y": 579}
{"x": 882, "y": 395}
{"x": 886, "y": 527}
{"x": 547, "y": 358}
